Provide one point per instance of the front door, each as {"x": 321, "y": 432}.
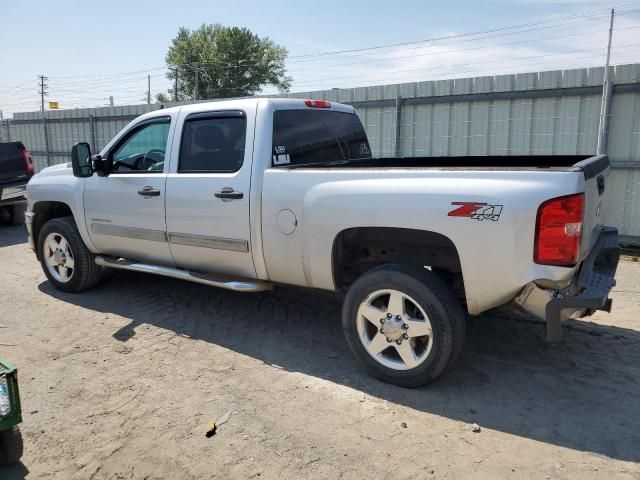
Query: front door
{"x": 124, "y": 211}
{"x": 208, "y": 193}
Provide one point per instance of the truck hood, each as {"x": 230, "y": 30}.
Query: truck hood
{"x": 55, "y": 170}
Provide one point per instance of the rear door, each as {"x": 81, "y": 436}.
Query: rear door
{"x": 208, "y": 192}
{"x": 124, "y": 212}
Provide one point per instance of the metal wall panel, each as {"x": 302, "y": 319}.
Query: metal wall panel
{"x": 623, "y": 208}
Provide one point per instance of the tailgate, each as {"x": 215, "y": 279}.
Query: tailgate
{"x": 596, "y": 193}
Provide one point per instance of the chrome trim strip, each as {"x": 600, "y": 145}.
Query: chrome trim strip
{"x": 217, "y": 243}
{"x": 129, "y": 232}
{"x": 237, "y": 284}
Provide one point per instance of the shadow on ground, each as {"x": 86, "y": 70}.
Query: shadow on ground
{"x": 581, "y": 395}
{"x": 14, "y": 472}
{"x": 12, "y": 235}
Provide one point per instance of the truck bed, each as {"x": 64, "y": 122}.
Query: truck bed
{"x": 562, "y": 163}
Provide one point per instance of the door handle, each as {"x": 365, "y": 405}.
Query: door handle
{"x": 149, "y": 192}
{"x": 230, "y": 193}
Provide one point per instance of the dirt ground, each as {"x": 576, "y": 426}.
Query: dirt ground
{"x": 119, "y": 383}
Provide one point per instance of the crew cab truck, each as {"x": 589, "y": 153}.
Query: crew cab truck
{"x": 247, "y": 193}
{"x": 16, "y": 168}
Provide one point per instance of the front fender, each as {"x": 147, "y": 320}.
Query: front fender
{"x": 56, "y": 184}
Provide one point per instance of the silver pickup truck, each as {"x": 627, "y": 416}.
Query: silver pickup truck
{"x": 244, "y": 194}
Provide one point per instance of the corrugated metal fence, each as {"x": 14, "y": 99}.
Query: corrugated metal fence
{"x": 543, "y": 113}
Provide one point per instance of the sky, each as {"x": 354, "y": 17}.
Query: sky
{"x": 90, "y": 50}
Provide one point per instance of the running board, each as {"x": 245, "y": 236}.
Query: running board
{"x": 230, "y": 283}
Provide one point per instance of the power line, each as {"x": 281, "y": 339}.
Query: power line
{"x": 472, "y": 63}
{"x": 513, "y": 69}
{"x": 444, "y": 52}
{"x": 107, "y": 85}
{"x": 119, "y": 74}
{"x": 627, "y": 8}
{"x": 599, "y": 12}
{"x": 113, "y": 82}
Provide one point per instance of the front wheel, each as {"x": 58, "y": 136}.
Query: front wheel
{"x": 65, "y": 259}
{"x": 403, "y": 324}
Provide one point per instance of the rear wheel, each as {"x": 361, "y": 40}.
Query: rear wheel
{"x": 11, "y": 448}
{"x": 403, "y": 324}
{"x": 65, "y": 260}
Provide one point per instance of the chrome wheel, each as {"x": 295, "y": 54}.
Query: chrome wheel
{"x": 58, "y": 257}
{"x": 394, "y": 329}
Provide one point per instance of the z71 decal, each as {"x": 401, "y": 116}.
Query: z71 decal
{"x": 476, "y": 210}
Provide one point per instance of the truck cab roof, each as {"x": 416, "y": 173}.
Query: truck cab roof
{"x": 276, "y": 103}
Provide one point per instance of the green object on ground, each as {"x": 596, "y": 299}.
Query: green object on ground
{"x": 10, "y": 412}
{"x": 10, "y": 415}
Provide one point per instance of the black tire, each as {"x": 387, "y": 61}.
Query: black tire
{"x": 85, "y": 273}
{"x": 433, "y": 296}
{"x": 11, "y": 447}
{"x": 5, "y": 215}
{"x": 17, "y": 213}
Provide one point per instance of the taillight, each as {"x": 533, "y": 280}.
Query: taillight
{"x": 559, "y": 230}
{"x": 28, "y": 164}
{"x": 317, "y": 103}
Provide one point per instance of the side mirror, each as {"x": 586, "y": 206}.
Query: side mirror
{"x": 81, "y": 160}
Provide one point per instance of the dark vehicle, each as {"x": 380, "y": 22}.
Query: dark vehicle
{"x": 16, "y": 168}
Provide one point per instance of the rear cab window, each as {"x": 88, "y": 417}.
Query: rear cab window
{"x": 306, "y": 137}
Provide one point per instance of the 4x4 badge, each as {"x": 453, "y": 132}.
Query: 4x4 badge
{"x": 476, "y": 210}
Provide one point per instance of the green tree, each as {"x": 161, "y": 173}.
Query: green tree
{"x": 229, "y": 62}
{"x": 162, "y": 98}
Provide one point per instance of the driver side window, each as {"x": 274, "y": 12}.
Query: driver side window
{"x": 143, "y": 150}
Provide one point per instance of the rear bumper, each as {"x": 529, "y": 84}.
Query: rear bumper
{"x": 588, "y": 291}
{"x": 10, "y": 194}
{"x": 594, "y": 280}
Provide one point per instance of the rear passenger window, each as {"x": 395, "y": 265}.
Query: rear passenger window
{"x": 213, "y": 144}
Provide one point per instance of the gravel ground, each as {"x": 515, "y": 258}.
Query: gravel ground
{"x": 120, "y": 382}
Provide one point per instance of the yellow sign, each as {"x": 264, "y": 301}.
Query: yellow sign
{"x": 53, "y": 106}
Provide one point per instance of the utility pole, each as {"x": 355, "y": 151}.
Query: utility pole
{"x": 111, "y": 102}
{"x": 148, "y": 89}
{"x": 607, "y": 92}
{"x": 235, "y": 79}
{"x": 195, "y": 83}
{"x": 43, "y": 93}
{"x": 175, "y": 86}
{"x": 4, "y": 124}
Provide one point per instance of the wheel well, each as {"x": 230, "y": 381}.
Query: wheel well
{"x": 357, "y": 250}
{"x": 45, "y": 211}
